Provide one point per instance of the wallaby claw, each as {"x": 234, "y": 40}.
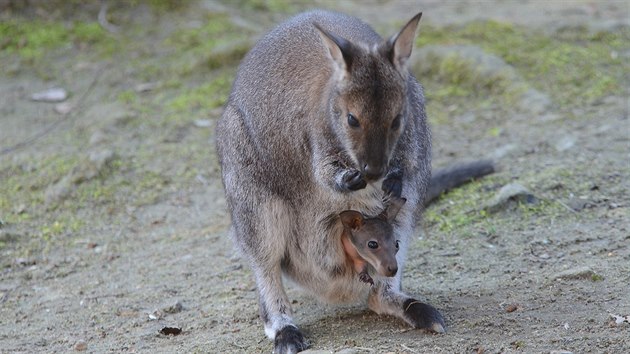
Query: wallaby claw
{"x": 366, "y": 278}
{"x": 353, "y": 180}
{"x": 289, "y": 340}
{"x": 392, "y": 186}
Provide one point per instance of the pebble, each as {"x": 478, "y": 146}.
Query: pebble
{"x": 347, "y": 351}
{"x": 510, "y": 192}
{"x": 173, "y": 308}
{"x": 575, "y": 273}
{"x": 80, "y": 345}
{"x": 565, "y": 143}
{"x": 202, "y": 123}
{"x": 63, "y": 108}
{"x": 51, "y": 95}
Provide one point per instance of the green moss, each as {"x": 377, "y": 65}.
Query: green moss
{"x": 31, "y": 40}
{"x": 219, "y": 42}
{"x": 574, "y": 69}
{"x": 204, "y": 97}
{"x": 462, "y": 210}
{"x": 596, "y": 277}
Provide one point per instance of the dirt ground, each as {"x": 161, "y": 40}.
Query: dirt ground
{"x": 113, "y": 221}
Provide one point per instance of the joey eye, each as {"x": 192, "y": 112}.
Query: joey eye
{"x": 397, "y": 244}
{"x": 396, "y": 122}
{"x": 353, "y": 121}
{"x": 373, "y": 244}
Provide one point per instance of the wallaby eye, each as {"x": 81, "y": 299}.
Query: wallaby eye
{"x": 373, "y": 245}
{"x": 397, "y": 244}
{"x": 353, "y": 121}
{"x": 396, "y": 122}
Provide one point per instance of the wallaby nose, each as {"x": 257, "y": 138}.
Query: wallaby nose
{"x": 392, "y": 270}
{"x": 372, "y": 172}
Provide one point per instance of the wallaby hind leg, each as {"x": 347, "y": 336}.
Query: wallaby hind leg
{"x": 275, "y": 311}
{"x": 386, "y": 298}
{"x": 261, "y": 236}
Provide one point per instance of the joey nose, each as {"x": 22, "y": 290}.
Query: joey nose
{"x": 372, "y": 172}
{"x": 392, "y": 270}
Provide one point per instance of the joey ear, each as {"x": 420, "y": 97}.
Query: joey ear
{"x": 351, "y": 219}
{"x": 399, "y": 46}
{"x": 393, "y": 209}
{"x": 341, "y": 51}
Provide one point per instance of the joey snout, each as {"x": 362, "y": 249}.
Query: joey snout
{"x": 387, "y": 270}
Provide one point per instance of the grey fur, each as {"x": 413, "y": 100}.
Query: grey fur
{"x": 291, "y": 162}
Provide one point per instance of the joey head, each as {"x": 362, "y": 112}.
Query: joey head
{"x": 371, "y": 241}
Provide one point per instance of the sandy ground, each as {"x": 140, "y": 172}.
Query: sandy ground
{"x": 114, "y": 221}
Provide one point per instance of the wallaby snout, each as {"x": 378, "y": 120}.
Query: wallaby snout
{"x": 373, "y": 172}
{"x": 392, "y": 270}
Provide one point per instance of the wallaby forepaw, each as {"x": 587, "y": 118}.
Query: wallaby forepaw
{"x": 392, "y": 186}
{"x": 424, "y": 316}
{"x": 366, "y": 278}
{"x": 289, "y": 340}
{"x": 352, "y": 180}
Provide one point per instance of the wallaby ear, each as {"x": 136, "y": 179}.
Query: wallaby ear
{"x": 399, "y": 46}
{"x": 341, "y": 51}
{"x": 351, "y": 219}
{"x": 393, "y": 209}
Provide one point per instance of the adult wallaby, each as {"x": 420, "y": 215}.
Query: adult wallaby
{"x": 323, "y": 117}
{"x": 371, "y": 240}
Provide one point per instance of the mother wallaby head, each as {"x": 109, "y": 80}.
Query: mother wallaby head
{"x": 368, "y": 102}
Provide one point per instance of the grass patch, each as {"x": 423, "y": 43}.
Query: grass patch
{"x": 204, "y": 97}
{"x": 31, "y": 40}
{"x": 574, "y": 67}
{"x": 217, "y": 43}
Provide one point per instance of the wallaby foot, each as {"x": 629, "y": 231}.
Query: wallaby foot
{"x": 384, "y": 299}
{"x": 424, "y": 316}
{"x": 289, "y": 340}
{"x": 366, "y": 278}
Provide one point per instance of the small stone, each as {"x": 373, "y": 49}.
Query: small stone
{"x": 347, "y": 351}
{"x": 508, "y": 193}
{"x": 146, "y": 86}
{"x": 561, "y": 352}
{"x": 63, "y": 108}
{"x": 511, "y": 308}
{"x": 101, "y": 158}
{"x": 202, "y": 123}
{"x": 578, "y": 204}
{"x": 80, "y": 345}
{"x": 565, "y": 143}
{"x": 576, "y": 273}
{"x": 173, "y": 308}
{"x": 50, "y": 95}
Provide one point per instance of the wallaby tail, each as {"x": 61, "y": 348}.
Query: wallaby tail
{"x": 454, "y": 176}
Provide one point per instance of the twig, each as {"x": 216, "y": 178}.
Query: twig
{"x": 567, "y": 207}
{"x": 102, "y": 19}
